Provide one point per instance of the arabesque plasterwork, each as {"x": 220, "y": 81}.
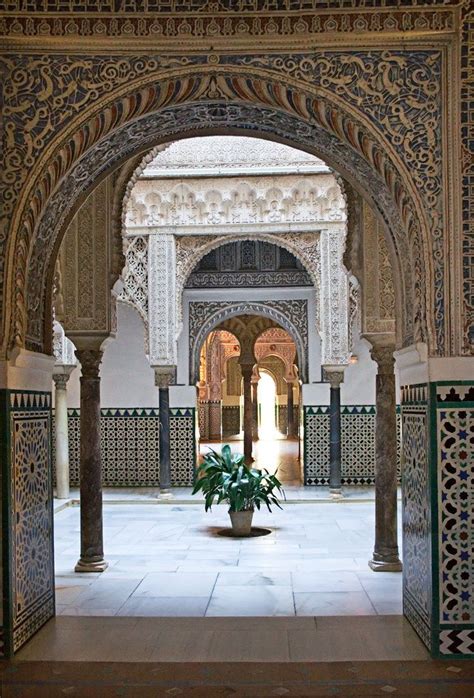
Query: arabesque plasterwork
{"x": 281, "y": 210}
{"x": 334, "y": 73}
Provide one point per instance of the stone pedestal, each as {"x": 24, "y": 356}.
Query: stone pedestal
{"x": 163, "y": 380}
{"x": 247, "y": 370}
{"x": 385, "y": 556}
{"x": 61, "y": 433}
{"x": 92, "y": 546}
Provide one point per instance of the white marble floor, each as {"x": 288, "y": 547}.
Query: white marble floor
{"x": 167, "y": 560}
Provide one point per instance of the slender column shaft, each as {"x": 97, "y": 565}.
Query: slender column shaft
{"x": 335, "y": 439}
{"x": 92, "y": 546}
{"x": 164, "y": 416}
{"x": 290, "y": 412}
{"x": 247, "y": 377}
{"x": 386, "y": 555}
{"x": 255, "y": 411}
{"x": 61, "y": 435}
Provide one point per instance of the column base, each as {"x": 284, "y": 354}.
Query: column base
{"x": 386, "y": 565}
{"x": 91, "y": 566}
{"x": 165, "y": 494}
{"x": 336, "y": 494}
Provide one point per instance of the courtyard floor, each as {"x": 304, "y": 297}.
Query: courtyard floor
{"x": 167, "y": 559}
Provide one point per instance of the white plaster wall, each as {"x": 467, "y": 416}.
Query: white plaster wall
{"x": 126, "y": 377}
{"x": 358, "y": 387}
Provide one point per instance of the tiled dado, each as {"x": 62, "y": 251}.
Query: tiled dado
{"x": 357, "y": 444}
{"x": 27, "y": 535}
{"x": 130, "y": 447}
{"x": 438, "y": 515}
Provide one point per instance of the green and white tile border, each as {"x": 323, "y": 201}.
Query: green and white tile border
{"x": 438, "y": 515}
{"x": 357, "y": 444}
{"x": 27, "y": 516}
{"x": 130, "y": 446}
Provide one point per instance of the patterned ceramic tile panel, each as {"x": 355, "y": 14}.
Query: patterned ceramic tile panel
{"x": 357, "y": 444}
{"x": 182, "y": 446}
{"x": 230, "y": 420}
{"x": 130, "y": 447}
{"x": 455, "y": 468}
{"x": 417, "y": 578}
{"x": 28, "y": 503}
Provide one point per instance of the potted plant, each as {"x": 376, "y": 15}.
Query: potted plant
{"x": 224, "y": 477}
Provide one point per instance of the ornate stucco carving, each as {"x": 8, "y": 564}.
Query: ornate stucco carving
{"x": 204, "y": 316}
{"x": 334, "y": 299}
{"x": 218, "y": 201}
{"x": 63, "y": 348}
{"x": 126, "y": 139}
{"x": 401, "y": 118}
{"x": 162, "y": 300}
{"x": 86, "y": 260}
{"x": 378, "y": 307}
{"x": 135, "y": 276}
{"x": 318, "y": 197}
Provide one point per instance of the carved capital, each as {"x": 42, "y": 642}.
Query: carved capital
{"x": 164, "y": 376}
{"x": 247, "y": 370}
{"x": 60, "y": 380}
{"x": 383, "y": 356}
{"x": 90, "y": 360}
{"x": 334, "y": 377}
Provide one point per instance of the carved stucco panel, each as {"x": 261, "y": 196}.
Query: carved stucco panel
{"x": 86, "y": 267}
{"x": 162, "y": 300}
{"x": 378, "y": 307}
{"x": 334, "y": 299}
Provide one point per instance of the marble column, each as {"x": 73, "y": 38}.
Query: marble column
{"x": 335, "y": 378}
{"x": 92, "y": 546}
{"x": 290, "y": 415}
{"x": 255, "y": 410}
{"x": 61, "y": 432}
{"x": 163, "y": 380}
{"x": 247, "y": 370}
{"x": 385, "y": 556}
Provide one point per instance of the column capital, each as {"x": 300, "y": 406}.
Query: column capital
{"x": 164, "y": 376}
{"x": 334, "y": 376}
{"x": 382, "y": 354}
{"x": 60, "y": 380}
{"x": 247, "y": 370}
{"x": 90, "y": 360}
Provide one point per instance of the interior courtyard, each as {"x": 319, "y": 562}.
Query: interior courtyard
{"x": 255, "y": 244}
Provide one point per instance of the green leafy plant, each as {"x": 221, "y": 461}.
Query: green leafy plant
{"x": 224, "y": 477}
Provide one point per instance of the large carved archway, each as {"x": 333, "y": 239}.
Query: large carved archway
{"x": 273, "y": 99}
{"x": 291, "y": 315}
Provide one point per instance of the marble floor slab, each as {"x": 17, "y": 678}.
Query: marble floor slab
{"x": 257, "y": 639}
{"x": 170, "y": 561}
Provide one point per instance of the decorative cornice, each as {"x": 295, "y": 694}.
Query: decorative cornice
{"x": 194, "y": 24}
